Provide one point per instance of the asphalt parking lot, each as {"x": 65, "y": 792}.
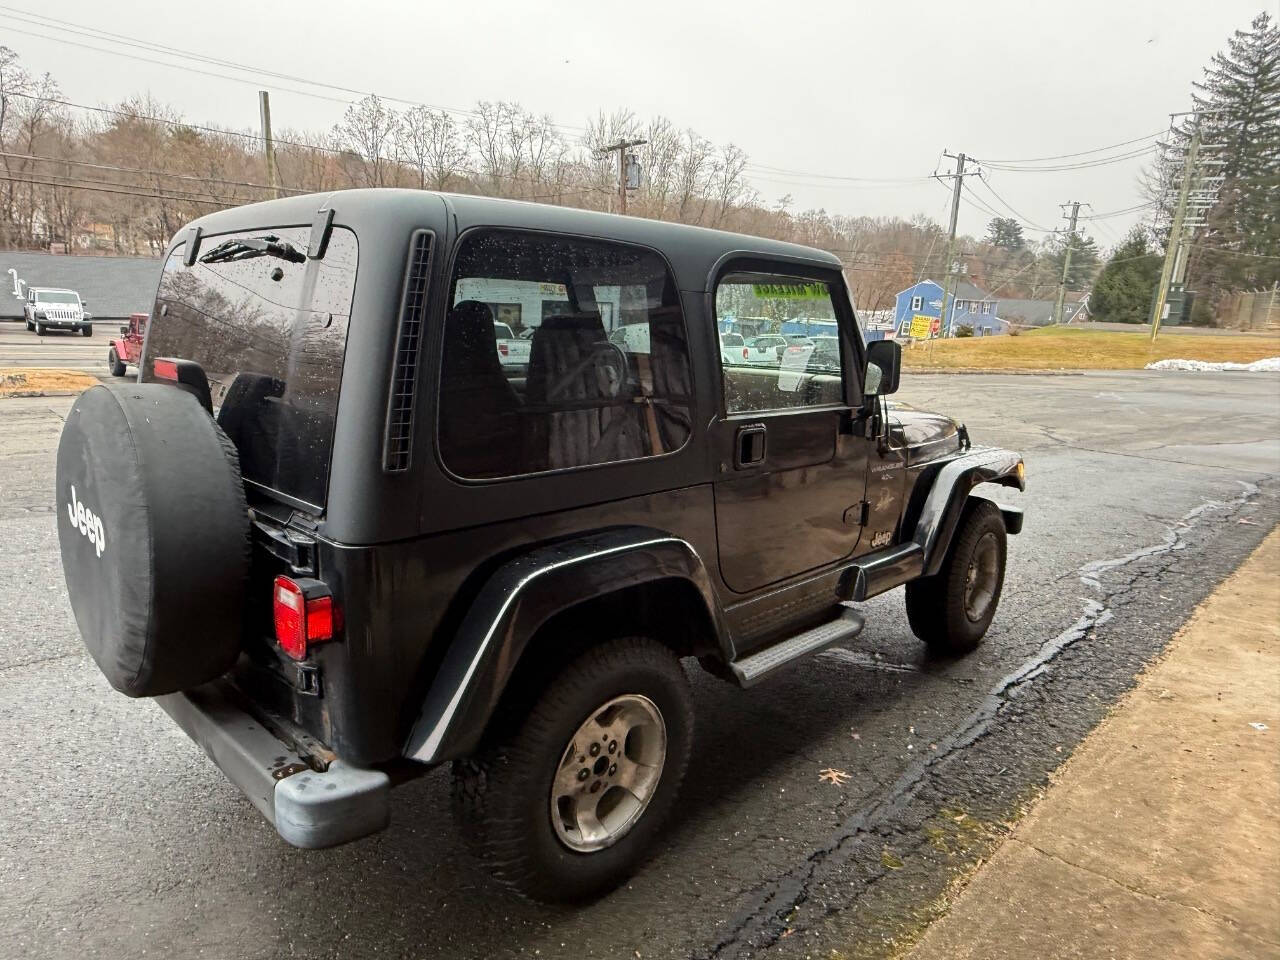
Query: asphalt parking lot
{"x": 66, "y": 350}
{"x": 1145, "y": 489}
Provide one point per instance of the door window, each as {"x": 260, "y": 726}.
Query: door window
{"x": 608, "y": 375}
{"x": 797, "y": 363}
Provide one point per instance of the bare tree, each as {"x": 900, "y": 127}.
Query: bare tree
{"x": 369, "y": 132}
{"x": 431, "y": 143}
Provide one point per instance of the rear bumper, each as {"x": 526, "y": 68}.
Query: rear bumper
{"x": 308, "y": 808}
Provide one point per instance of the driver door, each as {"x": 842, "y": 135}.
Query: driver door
{"x": 791, "y": 477}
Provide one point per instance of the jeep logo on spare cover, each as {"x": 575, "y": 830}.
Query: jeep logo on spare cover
{"x": 489, "y": 533}
{"x": 87, "y": 522}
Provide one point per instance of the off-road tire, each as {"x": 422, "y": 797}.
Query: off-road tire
{"x": 86, "y": 331}
{"x": 117, "y": 365}
{"x": 30, "y": 325}
{"x": 39, "y": 329}
{"x": 502, "y": 795}
{"x": 936, "y": 606}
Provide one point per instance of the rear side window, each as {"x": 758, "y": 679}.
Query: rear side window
{"x": 608, "y": 374}
{"x": 270, "y": 334}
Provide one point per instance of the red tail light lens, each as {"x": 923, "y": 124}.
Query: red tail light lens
{"x": 304, "y": 615}
{"x": 744, "y": 353}
{"x": 503, "y": 349}
{"x": 165, "y": 370}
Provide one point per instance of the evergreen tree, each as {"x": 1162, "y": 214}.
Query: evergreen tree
{"x": 1005, "y": 232}
{"x": 1238, "y": 102}
{"x": 1084, "y": 260}
{"x": 1122, "y": 293}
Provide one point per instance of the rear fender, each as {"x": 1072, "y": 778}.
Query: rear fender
{"x": 952, "y": 485}
{"x": 517, "y": 599}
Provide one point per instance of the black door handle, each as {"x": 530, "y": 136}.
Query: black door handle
{"x": 750, "y": 446}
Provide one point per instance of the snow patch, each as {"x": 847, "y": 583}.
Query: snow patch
{"x": 1267, "y": 365}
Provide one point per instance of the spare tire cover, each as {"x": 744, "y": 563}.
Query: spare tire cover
{"x": 154, "y": 533}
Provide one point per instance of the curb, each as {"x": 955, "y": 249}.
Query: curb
{"x": 988, "y": 371}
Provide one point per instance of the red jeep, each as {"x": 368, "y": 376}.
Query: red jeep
{"x": 126, "y": 348}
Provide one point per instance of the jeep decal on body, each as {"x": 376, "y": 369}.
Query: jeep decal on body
{"x": 87, "y": 522}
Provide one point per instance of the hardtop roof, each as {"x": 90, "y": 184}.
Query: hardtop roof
{"x": 370, "y": 208}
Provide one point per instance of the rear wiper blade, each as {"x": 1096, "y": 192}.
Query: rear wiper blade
{"x": 268, "y": 246}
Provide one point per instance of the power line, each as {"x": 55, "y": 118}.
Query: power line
{"x": 218, "y": 131}
{"x": 1008, "y": 206}
{"x": 98, "y": 189}
{"x": 97, "y": 33}
{"x": 1082, "y": 153}
{"x": 1086, "y": 165}
{"x": 144, "y": 171}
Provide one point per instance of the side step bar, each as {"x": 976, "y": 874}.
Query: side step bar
{"x": 756, "y": 667}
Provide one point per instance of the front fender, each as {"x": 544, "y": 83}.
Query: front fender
{"x": 517, "y": 599}
{"x": 951, "y": 487}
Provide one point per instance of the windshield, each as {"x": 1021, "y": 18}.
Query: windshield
{"x": 270, "y": 334}
{"x": 56, "y": 296}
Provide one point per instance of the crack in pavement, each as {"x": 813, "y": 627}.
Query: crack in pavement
{"x": 764, "y": 921}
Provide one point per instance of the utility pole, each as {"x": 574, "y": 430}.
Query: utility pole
{"x": 1173, "y": 249}
{"x": 268, "y": 145}
{"x": 1066, "y": 263}
{"x": 949, "y": 274}
{"x": 621, "y": 148}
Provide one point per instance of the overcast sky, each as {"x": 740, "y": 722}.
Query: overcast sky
{"x": 850, "y": 89}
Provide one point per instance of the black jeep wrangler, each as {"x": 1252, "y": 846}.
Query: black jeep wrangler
{"x": 341, "y": 538}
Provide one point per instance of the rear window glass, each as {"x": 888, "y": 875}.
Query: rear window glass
{"x": 608, "y": 372}
{"x": 270, "y": 334}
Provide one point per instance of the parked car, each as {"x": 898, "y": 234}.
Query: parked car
{"x": 825, "y": 355}
{"x": 339, "y": 554}
{"x": 733, "y": 348}
{"x": 765, "y": 350}
{"x": 50, "y": 308}
{"x": 512, "y": 351}
{"x": 127, "y": 348}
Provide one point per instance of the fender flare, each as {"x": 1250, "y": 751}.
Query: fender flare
{"x": 518, "y": 598}
{"x": 952, "y": 485}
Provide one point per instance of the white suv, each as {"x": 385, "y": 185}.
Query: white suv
{"x": 48, "y": 308}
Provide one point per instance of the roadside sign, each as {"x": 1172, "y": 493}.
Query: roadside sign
{"x": 921, "y": 324}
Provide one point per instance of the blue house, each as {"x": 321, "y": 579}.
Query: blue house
{"x": 970, "y": 307}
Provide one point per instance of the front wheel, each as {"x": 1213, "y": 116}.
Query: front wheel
{"x": 30, "y": 325}
{"x": 565, "y": 805}
{"x": 115, "y": 363}
{"x": 39, "y": 329}
{"x": 86, "y": 331}
{"x": 952, "y": 610}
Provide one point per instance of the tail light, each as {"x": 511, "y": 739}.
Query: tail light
{"x": 503, "y": 349}
{"x": 304, "y": 615}
{"x": 745, "y": 352}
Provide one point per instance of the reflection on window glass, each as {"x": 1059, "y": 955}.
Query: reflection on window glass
{"x": 790, "y": 343}
{"x": 597, "y": 370}
{"x": 270, "y": 335}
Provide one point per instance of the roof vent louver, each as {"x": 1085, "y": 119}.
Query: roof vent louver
{"x": 397, "y": 446}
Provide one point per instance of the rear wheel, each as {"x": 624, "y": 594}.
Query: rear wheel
{"x": 952, "y": 610}
{"x": 564, "y": 806}
{"x": 115, "y": 363}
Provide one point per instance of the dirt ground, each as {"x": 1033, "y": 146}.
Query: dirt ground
{"x": 20, "y": 382}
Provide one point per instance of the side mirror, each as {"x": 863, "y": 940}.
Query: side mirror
{"x": 884, "y": 367}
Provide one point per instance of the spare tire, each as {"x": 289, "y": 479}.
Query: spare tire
{"x": 154, "y": 533}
